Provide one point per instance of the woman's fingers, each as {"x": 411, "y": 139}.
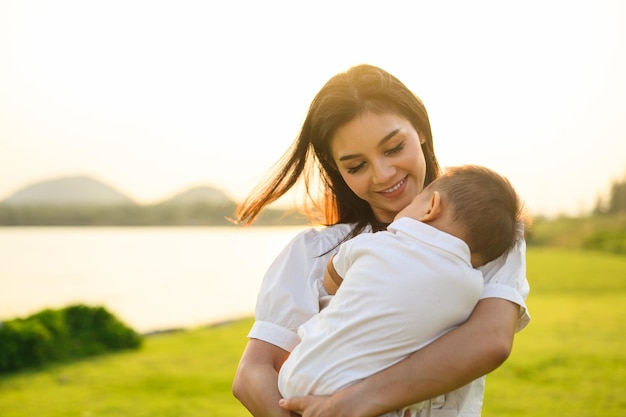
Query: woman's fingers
{"x": 308, "y": 406}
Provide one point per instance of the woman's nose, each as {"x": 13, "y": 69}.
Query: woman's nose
{"x": 382, "y": 173}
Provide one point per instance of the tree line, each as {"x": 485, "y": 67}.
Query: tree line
{"x": 196, "y": 214}
{"x": 193, "y": 214}
{"x": 616, "y": 202}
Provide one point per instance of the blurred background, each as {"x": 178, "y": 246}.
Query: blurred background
{"x": 161, "y": 113}
{"x": 153, "y": 97}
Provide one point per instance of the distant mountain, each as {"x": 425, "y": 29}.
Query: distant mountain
{"x": 68, "y": 191}
{"x": 85, "y": 201}
{"x": 200, "y": 194}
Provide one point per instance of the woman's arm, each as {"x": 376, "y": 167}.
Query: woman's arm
{"x": 473, "y": 349}
{"x": 256, "y": 379}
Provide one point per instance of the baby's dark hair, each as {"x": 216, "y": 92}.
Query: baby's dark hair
{"x": 485, "y": 206}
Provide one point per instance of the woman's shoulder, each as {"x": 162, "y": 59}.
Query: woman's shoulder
{"x": 323, "y": 235}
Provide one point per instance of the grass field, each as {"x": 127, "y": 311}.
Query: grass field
{"x": 571, "y": 360}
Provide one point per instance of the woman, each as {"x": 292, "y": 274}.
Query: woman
{"x": 366, "y": 148}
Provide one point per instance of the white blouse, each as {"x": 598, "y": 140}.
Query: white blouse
{"x": 292, "y": 291}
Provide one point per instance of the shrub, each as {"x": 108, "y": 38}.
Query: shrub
{"x": 23, "y": 343}
{"x": 94, "y": 330}
{"x": 609, "y": 241}
{"x": 70, "y": 333}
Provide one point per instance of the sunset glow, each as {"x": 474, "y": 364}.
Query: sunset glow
{"x": 155, "y": 97}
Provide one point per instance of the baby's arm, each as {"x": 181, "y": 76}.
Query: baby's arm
{"x": 332, "y": 280}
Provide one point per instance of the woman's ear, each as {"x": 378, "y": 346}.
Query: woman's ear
{"x": 434, "y": 208}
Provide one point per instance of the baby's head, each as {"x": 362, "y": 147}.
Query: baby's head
{"x": 475, "y": 204}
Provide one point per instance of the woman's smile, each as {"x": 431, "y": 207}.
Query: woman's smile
{"x": 391, "y": 192}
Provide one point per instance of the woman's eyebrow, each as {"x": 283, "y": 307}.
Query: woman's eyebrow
{"x": 380, "y": 143}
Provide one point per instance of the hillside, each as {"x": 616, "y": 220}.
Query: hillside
{"x": 85, "y": 201}
{"x": 88, "y": 191}
{"x": 68, "y": 191}
{"x": 200, "y": 194}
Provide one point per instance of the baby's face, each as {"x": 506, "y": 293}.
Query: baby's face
{"x": 417, "y": 207}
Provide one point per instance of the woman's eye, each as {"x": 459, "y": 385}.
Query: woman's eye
{"x": 395, "y": 149}
{"x": 355, "y": 168}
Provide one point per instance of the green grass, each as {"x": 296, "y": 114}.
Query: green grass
{"x": 571, "y": 360}
{"x": 185, "y": 373}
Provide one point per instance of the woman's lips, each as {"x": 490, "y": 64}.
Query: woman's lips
{"x": 396, "y": 189}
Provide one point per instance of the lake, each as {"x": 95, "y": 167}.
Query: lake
{"x": 152, "y": 278}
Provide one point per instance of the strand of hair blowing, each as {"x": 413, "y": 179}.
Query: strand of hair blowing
{"x": 290, "y": 167}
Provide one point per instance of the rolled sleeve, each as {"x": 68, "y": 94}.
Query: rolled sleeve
{"x": 277, "y": 335}
{"x": 505, "y": 277}
{"x": 290, "y": 291}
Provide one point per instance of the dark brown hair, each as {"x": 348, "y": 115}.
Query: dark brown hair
{"x": 486, "y": 208}
{"x": 361, "y": 89}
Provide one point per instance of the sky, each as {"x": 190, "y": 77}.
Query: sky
{"x": 153, "y": 97}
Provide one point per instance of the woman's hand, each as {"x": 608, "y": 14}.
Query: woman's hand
{"x": 256, "y": 379}
{"x": 309, "y": 406}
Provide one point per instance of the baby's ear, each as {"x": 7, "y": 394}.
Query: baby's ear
{"x": 434, "y": 208}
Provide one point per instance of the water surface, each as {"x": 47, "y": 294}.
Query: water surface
{"x": 152, "y": 278}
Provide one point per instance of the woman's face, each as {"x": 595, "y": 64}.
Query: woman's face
{"x": 380, "y": 157}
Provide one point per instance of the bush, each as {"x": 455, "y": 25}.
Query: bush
{"x": 95, "y": 330}
{"x": 23, "y": 343}
{"x": 70, "y": 333}
{"x": 609, "y": 241}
